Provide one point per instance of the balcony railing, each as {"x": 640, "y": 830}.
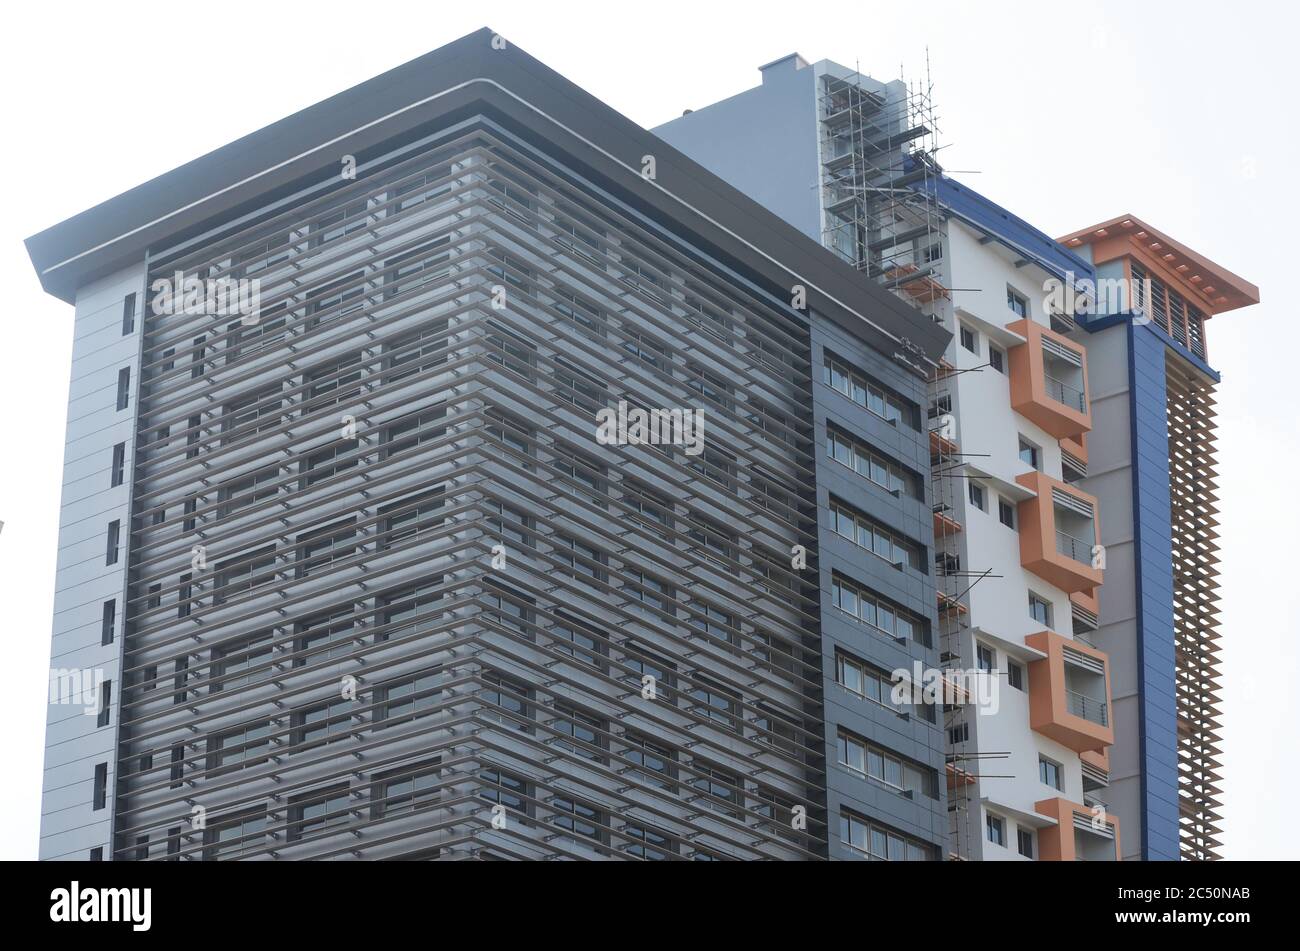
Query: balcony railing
{"x": 1064, "y": 393}
{"x": 1094, "y": 711}
{"x": 1079, "y": 549}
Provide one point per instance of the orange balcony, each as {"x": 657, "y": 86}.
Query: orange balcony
{"x": 1049, "y": 377}
{"x": 1080, "y": 834}
{"x": 1058, "y": 533}
{"x": 1069, "y": 693}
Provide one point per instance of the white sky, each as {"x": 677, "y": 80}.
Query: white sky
{"x": 1180, "y": 113}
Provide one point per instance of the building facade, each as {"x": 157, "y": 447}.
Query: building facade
{"x": 1154, "y": 474}
{"x": 1105, "y": 713}
{"x": 349, "y": 567}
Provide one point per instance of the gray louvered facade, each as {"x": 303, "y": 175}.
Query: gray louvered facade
{"x": 383, "y": 593}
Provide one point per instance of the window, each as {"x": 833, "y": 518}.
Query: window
{"x": 985, "y": 658}
{"x": 410, "y": 610}
{"x": 347, "y": 220}
{"x": 648, "y": 591}
{"x": 959, "y": 733}
{"x": 867, "y": 534}
{"x": 969, "y": 340}
{"x": 869, "y": 609}
{"x": 649, "y": 844}
{"x": 345, "y": 294}
{"x": 320, "y": 723}
{"x": 405, "y": 789}
{"x": 719, "y": 785}
{"x": 326, "y": 636}
{"x": 258, "y": 412}
{"x": 194, "y": 426}
{"x": 1049, "y": 773}
{"x": 715, "y": 702}
{"x": 514, "y": 436}
{"x": 506, "y": 790}
{"x": 1025, "y": 842}
{"x": 197, "y": 356}
{"x": 239, "y": 745}
{"x": 118, "y": 471}
{"x": 244, "y": 574}
{"x": 1030, "y": 454}
{"x": 410, "y": 517}
{"x": 177, "y": 769}
{"x": 114, "y": 536}
{"x": 655, "y": 764}
{"x": 509, "y": 699}
{"x": 1006, "y": 513}
{"x": 174, "y": 843}
{"x": 865, "y": 393}
{"x": 100, "y": 792}
{"x": 97, "y": 854}
{"x": 868, "y": 464}
{"x": 412, "y": 430}
{"x": 181, "y": 679}
{"x": 417, "y": 353}
{"x": 874, "y": 684}
{"x": 509, "y": 350}
{"x": 883, "y": 767}
{"x": 240, "y": 493}
{"x": 997, "y": 359}
{"x": 241, "y": 663}
{"x": 996, "y": 829}
{"x": 128, "y": 314}
{"x": 105, "y": 703}
{"x": 508, "y": 608}
{"x": 410, "y": 698}
{"x": 230, "y": 837}
{"x": 582, "y": 560}
{"x": 588, "y": 473}
{"x": 109, "y": 623}
{"x": 1015, "y": 674}
{"x": 1018, "y": 304}
{"x": 586, "y": 732}
{"x": 873, "y": 841}
{"x": 644, "y": 664}
{"x": 1040, "y": 610}
{"x": 316, "y": 812}
{"x": 339, "y": 381}
{"x": 417, "y": 267}
{"x": 318, "y": 549}
{"x": 184, "y": 596}
{"x": 123, "y": 387}
{"x": 421, "y": 188}
{"x": 578, "y": 642}
{"x": 578, "y": 818}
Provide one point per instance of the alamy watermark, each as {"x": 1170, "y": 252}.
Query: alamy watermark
{"x": 633, "y": 426}
{"x": 1088, "y": 296}
{"x": 212, "y": 297}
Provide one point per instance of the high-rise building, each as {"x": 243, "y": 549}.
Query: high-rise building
{"x": 1152, "y": 469}
{"x": 1105, "y": 718}
{"x": 456, "y": 470}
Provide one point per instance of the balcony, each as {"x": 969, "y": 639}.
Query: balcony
{"x": 1069, "y": 693}
{"x": 1058, "y": 532}
{"x": 1083, "y": 833}
{"x": 1049, "y": 380}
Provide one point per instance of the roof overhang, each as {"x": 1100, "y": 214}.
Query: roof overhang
{"x": 1211, "y": 286}
{"x": 470, "y": 76}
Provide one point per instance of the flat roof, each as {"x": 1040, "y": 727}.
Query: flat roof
{"x": 470, "y": 76}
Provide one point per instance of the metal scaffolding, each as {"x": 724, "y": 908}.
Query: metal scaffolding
{"x": 879, "y": 176}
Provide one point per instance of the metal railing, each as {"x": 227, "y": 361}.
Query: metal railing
{"x": 1079, "y": 549}
{"x": 1064, "y": 393}
{"x": 1094, "y": 711}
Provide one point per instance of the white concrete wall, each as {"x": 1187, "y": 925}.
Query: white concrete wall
{"x": 74, "y": 744}
{"x": 989, "y": 430}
